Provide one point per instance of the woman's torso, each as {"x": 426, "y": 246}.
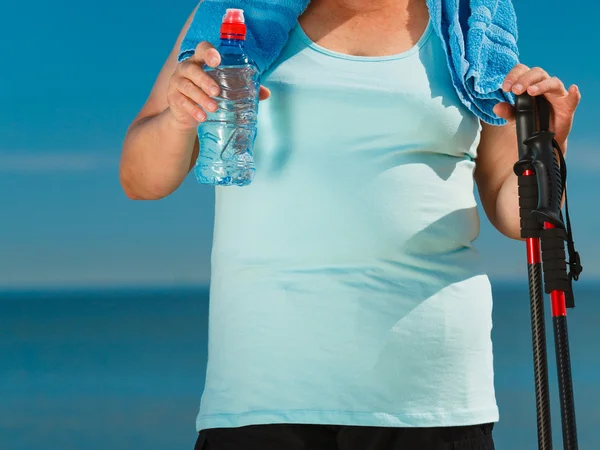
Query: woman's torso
{"x": 345, "y": 288}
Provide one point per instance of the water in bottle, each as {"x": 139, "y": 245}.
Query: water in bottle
{"x": 227, "y": 136}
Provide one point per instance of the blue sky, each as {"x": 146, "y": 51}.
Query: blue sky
{"x": 74, "y": 74}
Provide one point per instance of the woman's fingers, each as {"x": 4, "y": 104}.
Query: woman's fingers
{"x": 534, "y": 81}
{"x": 529, "y": 78}
{"x": 194, "y": 93}
{"x": 205, "y": 53}
{"x": 505, "y": 111}
{"x": 193, "y": 72}
{"x": 192, "y": 90}
{"x": 574, "y": 97}
{"x": 548, "y": 86}
{"x": 513, "y": 76}
{"x": 189, "y": 106}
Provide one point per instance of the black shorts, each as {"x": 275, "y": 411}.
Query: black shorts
{"x": 326, "y": 437}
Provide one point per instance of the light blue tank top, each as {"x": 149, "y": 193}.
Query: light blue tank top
{"x": 345, "y": 286}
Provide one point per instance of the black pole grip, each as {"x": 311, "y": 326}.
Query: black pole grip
{"x": 526, "y": 124}
{"x": 549, "y": 180}
{"x": 526, "y": 121}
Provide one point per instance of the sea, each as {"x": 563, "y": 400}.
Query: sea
{"x": 123, "y": 368}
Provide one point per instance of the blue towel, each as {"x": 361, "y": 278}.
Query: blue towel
{"x": 480, "y": 41}
{"x": 479, "y": 38}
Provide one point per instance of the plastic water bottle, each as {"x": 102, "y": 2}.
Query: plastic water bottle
{"x": 227, "y": 136}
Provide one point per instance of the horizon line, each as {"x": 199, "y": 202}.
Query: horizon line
{"x": 145, "y": 287}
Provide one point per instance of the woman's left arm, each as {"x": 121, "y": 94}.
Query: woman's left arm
{"x": 497, "y": 152}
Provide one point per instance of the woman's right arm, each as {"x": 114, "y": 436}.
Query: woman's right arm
{"x": 161, "y": 144}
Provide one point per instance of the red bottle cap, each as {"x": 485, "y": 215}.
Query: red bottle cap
{"x": 233, "y": 26}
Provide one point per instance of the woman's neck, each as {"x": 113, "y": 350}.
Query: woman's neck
{"x": 366, "y": 6}
{"x": 377, "y": 13}
{"x": 365, "y": 27}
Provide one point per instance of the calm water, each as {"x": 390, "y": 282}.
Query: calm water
{"x": 124, "y": 370}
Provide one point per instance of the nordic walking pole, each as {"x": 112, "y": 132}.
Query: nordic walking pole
{"x": 543, "y": 156}
{"x": 550, "y": 171}
{"x": 526, "y": 116}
